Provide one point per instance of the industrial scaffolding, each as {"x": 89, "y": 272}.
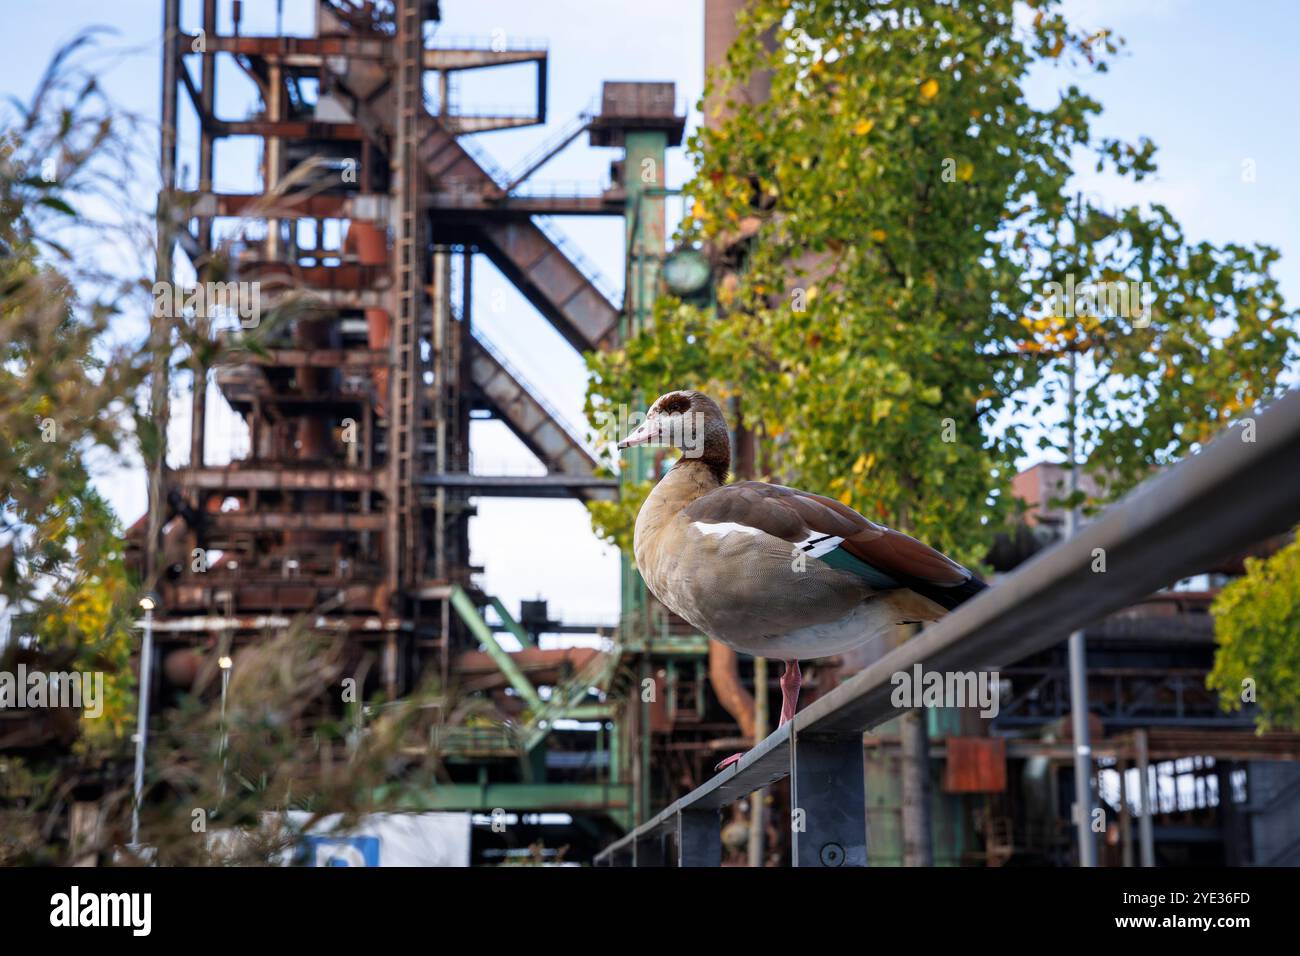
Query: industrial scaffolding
{"x": 350, "y": 510}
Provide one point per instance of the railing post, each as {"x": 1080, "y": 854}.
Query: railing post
{"x": 648, "y": 850}
{"x": 828, "y": 800}
{"x": 623, "y": 856}
{"x": 699, "y": 838}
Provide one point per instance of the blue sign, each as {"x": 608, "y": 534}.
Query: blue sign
{"x": 341, "y": 851}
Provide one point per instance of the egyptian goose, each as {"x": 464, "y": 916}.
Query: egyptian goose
{"x": 770, "y": 570}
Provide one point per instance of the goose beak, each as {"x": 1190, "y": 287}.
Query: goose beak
{"x": 644, "y": 434}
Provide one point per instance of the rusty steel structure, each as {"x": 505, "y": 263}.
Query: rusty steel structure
{"x": 359, "y": 375}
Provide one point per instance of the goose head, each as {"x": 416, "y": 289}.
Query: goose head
{"x": 687, "y": 420}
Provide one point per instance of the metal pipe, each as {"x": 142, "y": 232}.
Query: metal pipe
{"x": 724, "y": 678}
{"x": 142, "y": 721}
{"x": 1083, "y": 798}
{"x": 1146, "y": 825}
{"x": 1125, "y": 815}
{"x": 160, "y": 331}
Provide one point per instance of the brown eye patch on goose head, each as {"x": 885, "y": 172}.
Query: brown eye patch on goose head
{"x": 673, "y": 403}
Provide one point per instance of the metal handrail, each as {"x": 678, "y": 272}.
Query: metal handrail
{"x": 529, "y": 189}
{"x": 550, "y": 146}
{"x": 1238, "y": 490}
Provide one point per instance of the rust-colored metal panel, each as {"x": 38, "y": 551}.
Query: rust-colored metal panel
{"x": 976, "y": 765}
{"x": 661, "y": 722}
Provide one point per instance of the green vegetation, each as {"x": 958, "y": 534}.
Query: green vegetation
{"x": 1256, "y": 623}
{"x": 902, "y": 208}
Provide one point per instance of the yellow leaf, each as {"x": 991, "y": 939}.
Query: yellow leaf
{"x": 846, "y": 497}
{"x": 878, "y": 235}
{"x": 863, "y": 127}
{"x": 965, "y": 171}
{"x": 929, "y": 89}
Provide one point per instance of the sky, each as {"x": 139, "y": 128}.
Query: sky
{"x": 1212, "y": 83}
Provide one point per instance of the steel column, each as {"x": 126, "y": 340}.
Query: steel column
{"x": 828, "y": 799}
{"x": 699, "y": 838}
{"x": 1146, "y": 825}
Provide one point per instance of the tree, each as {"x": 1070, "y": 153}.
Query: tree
{"x": 903, "y": 212}
{"x": 65, "y": 388}
{"x": 1256, "y": 620}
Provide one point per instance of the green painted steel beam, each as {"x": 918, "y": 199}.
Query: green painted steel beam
{"x": 500, "y": 656}
{"x": 536, "y": 797}
{"x": 513, "y": 626}
{"x": 589, "y": 712}
{"x": 679, "y": 645}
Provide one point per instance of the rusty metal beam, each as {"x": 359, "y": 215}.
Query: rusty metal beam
{"x": 355, "y": 299}
{"x": 450, "y": 60}
{"x": 302, "y": 358}
{"x": 276, "y": 479}
{"x": 297, "y": 521}
{"x": 526, "y": 414}
{"x": 286, "y": 129}
{"x": 445, "y": 196}
{"x": 526, "y": 486}
{"x": 551, "y": 281}
{"x": 371, "y": 207}
{"x": 311, "y": 49}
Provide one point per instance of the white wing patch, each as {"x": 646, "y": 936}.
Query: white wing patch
{"x": 815, "y": 545}
{"x": 723, "y": 528}
{"x": 818, "y": 544}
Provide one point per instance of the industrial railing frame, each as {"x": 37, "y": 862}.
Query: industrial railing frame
{"x": 1240, "y": 489}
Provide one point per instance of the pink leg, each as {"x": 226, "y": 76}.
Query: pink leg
{"x": 790, "y": 682}
{"x": 724, "y": 764}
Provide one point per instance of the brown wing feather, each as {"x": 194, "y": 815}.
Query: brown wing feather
{"x": 898, "y": 554}
{"x": 793, "y": 515}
